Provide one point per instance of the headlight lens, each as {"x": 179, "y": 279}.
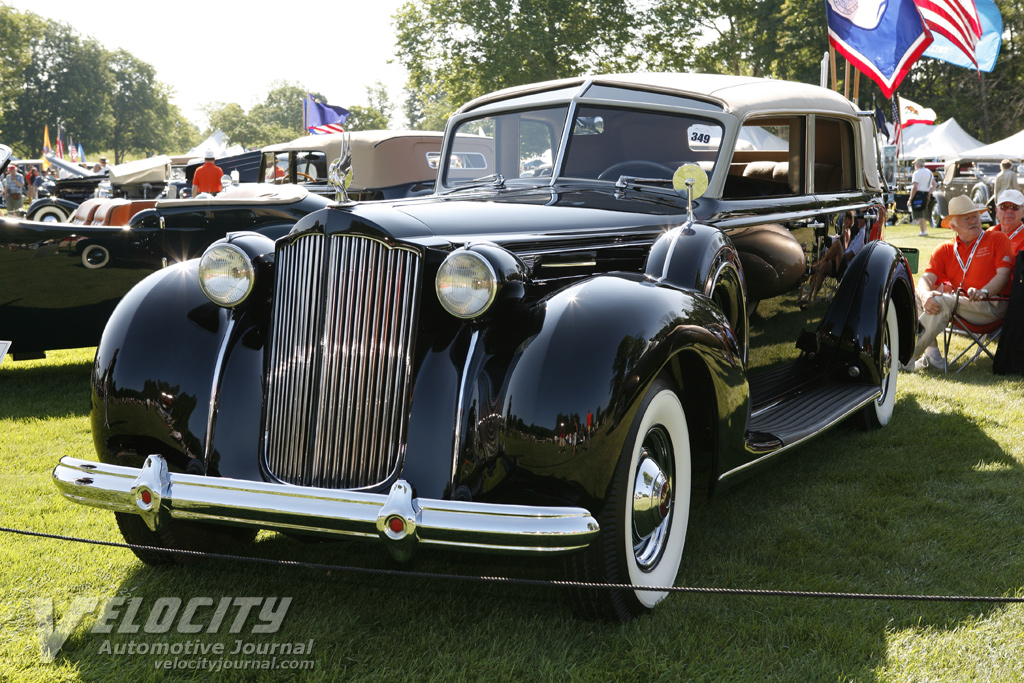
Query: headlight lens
{"x": 226, "y": 275}
{"x": 466, "y": 284}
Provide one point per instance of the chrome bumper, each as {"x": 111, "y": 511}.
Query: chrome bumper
{"x": 397, "y": 518}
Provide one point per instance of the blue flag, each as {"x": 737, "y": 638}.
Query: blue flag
{"x": 882, "y": 38}
{"x": 323, "y": 118}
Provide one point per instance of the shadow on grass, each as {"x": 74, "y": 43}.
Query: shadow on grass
{"x": 881, "y": 512}
{"x": 29, "y": 390}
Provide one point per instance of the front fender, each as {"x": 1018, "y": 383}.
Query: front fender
{"x": 155, "y": 379}
{"x": 553, "y": 414}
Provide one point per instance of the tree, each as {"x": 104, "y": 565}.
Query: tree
{"x": 141, "y": 113}
{"x": 376, "y": 116}
{"x": 13, "y": 60}
{"x": 277, "y": 119}
{"x": 66, "y": 82}
{"x": 455, "y": 50}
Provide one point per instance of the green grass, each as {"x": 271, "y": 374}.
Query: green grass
{"x": 933, "y": 504}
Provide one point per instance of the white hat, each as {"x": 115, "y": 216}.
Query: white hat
{"x": 209, "y": 154}
{"x": 1012, "y": 196}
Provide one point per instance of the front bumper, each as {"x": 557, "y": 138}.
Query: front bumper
{"x": 399, "y": 519}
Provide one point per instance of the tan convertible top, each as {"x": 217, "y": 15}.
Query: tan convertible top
{"x": 380, "y": 158}
{"x": 738, "y": 95}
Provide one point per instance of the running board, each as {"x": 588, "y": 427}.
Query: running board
{"x": 788, "y": 422}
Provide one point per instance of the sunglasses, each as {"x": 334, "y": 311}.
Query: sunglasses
{"x": 1009, "y": 207}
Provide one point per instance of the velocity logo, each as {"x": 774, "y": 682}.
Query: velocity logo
{"x": 134, "y": 615}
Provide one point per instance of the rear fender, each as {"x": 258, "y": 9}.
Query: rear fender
{"x": 852, "y": 329}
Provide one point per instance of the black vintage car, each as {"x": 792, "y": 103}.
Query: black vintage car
{"x": 59, "y": 282}
{"x": 538, "y": 358}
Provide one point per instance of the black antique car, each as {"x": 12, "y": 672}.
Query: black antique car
{"x": 59, "y": 282}
{"x": 530, "y": 360}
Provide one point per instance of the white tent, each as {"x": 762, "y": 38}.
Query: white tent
{"x": 1007, "y": 148}
{"x": 218, "y": 143}
{"x": 944, "y": 141}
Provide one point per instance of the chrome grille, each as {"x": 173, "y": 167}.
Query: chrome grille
{"x": 340, "y": 360}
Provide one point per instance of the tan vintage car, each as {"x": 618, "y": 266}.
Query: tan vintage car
{"x": 386, "y": 164}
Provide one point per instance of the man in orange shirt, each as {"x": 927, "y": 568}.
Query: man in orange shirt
{"x": 207, "y": 177}
{"x": 1009, "y": 212}
{"x": 974, "y": 262}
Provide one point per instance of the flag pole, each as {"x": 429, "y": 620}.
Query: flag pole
{"x": 832, "y": 66}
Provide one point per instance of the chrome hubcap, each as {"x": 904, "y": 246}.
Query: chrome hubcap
{"x": 652, "y": 499}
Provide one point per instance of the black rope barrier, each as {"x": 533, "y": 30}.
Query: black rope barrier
{"x": 523, "y": 582}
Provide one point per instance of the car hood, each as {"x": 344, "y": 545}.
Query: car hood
{"x": 516, "y": 215}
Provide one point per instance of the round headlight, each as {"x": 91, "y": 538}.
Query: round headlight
{"x": 466, "y": 284}
{"x": 226, "y": 274}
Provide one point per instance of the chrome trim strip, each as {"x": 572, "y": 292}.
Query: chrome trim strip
{"x": 482, "y": 526}
{"x": 786, "y": 447}
{"x": 218, "y": 378}
{"x": 461, "y": 403}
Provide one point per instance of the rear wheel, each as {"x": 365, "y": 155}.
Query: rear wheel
{"x": 643, "y": 524}
{"x": 209, "y": 538}
{"x": 50, "y": 213}
{"x": 935, "y": 215}
{"x": 877, "y": 414}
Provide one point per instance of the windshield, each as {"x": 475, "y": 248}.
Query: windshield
{"x": 605, "y": 142}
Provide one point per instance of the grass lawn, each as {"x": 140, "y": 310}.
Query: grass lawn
{"x": 933, "y": 504}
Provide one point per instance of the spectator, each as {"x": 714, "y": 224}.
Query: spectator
{"x": 30, "y": 183}
{"x": 14, "y": 189}
{"x": 207, "y": 177}
{"x": 976, "y": 263}
{"x": 922, "y": 183}
{"x": 1009, "y": 214}
{"x": 104, "y": 169}
{"x": 1006, "y": 180}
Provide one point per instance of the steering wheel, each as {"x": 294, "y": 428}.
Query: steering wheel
{"x": 300, "y": 174}
{"x": 637, "y": 167}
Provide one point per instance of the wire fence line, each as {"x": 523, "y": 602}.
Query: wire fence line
{"x": 524, "y": 582}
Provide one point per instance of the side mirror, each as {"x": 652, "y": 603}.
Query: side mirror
{"x": 5, "y": 157}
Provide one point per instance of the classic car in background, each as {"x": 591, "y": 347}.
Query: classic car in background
{"x": 524, "y": 361}
{"x": 59, "y": 199}
{"x": 972, "y": 177}
{"x": 387, "y": 164}
{"x": 59, "y": 282}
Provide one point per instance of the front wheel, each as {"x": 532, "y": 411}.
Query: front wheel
{"x": 95, "y": 256}
{"x": 877, "y": 414}
{"x": 644, "y": 520}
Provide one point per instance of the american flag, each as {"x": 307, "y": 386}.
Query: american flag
{"x": 72, "y": 150}
{"x": 957, "y": 20}
{"x": 322, "y": 118}
{"x": 60, "y": 145}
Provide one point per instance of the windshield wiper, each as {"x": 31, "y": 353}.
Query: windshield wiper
{"x": 496, "y": 180}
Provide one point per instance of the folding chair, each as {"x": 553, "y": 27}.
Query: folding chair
{"x": 981, "y": 336}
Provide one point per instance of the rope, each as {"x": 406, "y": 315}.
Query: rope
{"x": 525, "y": 582}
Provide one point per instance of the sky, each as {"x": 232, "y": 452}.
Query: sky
{"x": 233, "y": 51}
